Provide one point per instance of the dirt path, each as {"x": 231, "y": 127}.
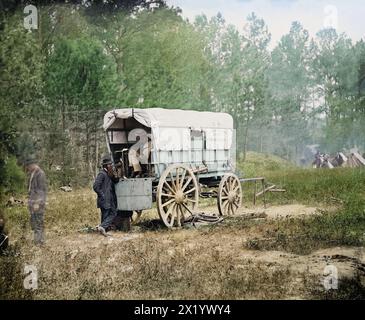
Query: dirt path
{"x": 274, "y": 212}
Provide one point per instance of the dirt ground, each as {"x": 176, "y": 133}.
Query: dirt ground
{"x": 185, "y": 263}
{"x": 272, "y": 212}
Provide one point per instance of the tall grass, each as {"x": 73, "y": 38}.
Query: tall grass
{"x": 342, "y": 188}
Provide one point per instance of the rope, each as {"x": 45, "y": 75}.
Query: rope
{"x": 202, "y": 218}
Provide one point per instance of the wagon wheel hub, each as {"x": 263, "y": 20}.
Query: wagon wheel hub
{"x": 179, "y": 197}
{"x": 232, "y": 196}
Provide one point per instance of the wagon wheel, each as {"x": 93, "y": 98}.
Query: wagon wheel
{"x": 229, "y": 194}
{"x": 177, "y": 189}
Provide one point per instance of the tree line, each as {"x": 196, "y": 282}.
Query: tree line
{"x": 87, "y": 57}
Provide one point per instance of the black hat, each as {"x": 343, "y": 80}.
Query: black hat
{"x": 29, "y": 161}
{"x": 106, "y": 160}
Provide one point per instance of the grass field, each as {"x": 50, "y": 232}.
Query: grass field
{"x": 241, "y": 258}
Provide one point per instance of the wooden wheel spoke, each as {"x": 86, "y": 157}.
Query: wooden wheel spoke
{"x": 226, "y": 208}
{"x": 225, "y": 191}
{"x": 172, "y": 181}
{"x": 230, "y": 182}
{"x": 224, "y": 197}
{"x": 225, "y": 204}
{"x": 177, "y": 183}
{"x": 167, "y": 195}
{"x": 170, "y": 210}
{"x": 189, "y": 191}
{"x": 170, "y": 188}
{"x": 186, "y": 183}
{"x": 168, "y": 202}
{"x": 232, "y": 210}
{"x": 182, "y": 179}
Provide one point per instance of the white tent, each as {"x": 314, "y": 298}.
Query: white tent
{"x": 171, "y": 128}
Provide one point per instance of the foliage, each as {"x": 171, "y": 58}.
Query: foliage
{"x": 91, "y": 56}
{"x": 20, "y": 86}
{"x": 261, "y": 165}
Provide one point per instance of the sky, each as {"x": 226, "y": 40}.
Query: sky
{"x": 345, "y": 15}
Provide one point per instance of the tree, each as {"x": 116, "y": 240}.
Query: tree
{"x": 289, "y": 88}
{"x": 237, "y": 74}
{"x": 21, "y": 66}
{"x": 337, "y": 75}
{"x": 257, "y": 57}
{"x": 81, "y": 80}
{"x": 163, "y": 63}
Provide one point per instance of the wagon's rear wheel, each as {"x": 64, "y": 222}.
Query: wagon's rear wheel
{"x": 177, "y": 189}
{"x": 229, "y": 194}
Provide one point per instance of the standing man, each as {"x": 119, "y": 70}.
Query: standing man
{"x": 107, "y": 200}
{"x": 3, "y": 237}
{"x": 37, "y": 190}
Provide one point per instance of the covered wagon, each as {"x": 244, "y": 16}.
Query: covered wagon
{"x": 173, "y": 157}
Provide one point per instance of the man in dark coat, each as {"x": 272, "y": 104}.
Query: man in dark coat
{"x": 37, "y": 190}
{"x": 107, "y": 200}
{"x": 3, "y": 237}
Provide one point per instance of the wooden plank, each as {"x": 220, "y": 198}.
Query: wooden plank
{"x": 252, "y": 179}
{"x": 265, "y": 190}
{"x": 254, "y": 194}
{"x": 277, "y": 190}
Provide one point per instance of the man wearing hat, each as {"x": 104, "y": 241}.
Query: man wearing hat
{"x": 37, "y": 190}
{"x": 107, "y": 201}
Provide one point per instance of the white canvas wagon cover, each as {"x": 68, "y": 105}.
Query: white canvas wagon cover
{"x": 176, "y": 118}
{"x": 171, "y": 128}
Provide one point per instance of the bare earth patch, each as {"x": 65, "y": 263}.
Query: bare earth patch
{"x": 275, "y": 212}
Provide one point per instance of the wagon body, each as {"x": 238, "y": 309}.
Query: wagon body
{"x": 200, "y": 142}
{"x": 178, "y": 136}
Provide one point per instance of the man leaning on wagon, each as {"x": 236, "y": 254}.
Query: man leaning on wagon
{"x": 107, "y": 202}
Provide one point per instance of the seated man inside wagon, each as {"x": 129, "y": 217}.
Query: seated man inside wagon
{"x": 139, "y": 157}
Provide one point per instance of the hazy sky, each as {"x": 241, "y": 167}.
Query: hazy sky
{"x": 345, "y": 15}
